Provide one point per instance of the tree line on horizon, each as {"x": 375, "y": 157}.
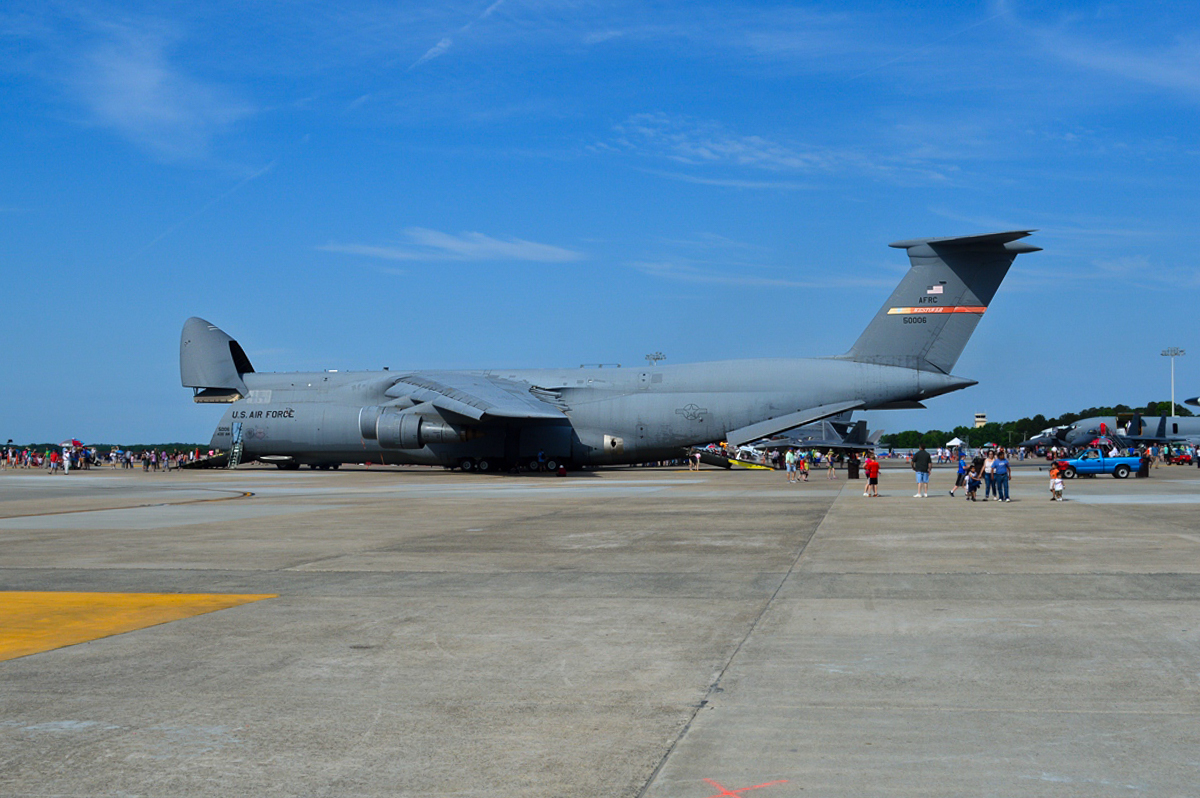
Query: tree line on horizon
{"x": 105, "y": 447}
{"x": 1010, "y": 433}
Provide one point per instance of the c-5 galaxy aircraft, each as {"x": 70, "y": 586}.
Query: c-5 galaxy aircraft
{"x": 484, "y": 420}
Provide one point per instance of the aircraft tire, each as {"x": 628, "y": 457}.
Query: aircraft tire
{"x": 483, "y": 465}
{"x": 551, "y": 464}
{"x": 466, "y": 464}
{"x": 534, "y": 465}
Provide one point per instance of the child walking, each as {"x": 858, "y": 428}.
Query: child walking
{"x": 1056, "y": 484}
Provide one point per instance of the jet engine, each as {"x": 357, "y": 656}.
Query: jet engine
{"x": 405, "y": 429}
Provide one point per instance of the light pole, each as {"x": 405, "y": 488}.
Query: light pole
{"x": 1173, "y": 352}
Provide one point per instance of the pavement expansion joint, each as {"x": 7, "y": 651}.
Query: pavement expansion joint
{"x": 241, "y": 494}
{"x": 715, "y": 689}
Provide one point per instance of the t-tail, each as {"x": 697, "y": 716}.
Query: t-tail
{"x": 930, "y": 316}
{"x": 211, "y": 363}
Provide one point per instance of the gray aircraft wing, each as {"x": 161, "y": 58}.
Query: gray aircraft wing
{"x": 774, "y": 426}
{"x": 476, "y": 395}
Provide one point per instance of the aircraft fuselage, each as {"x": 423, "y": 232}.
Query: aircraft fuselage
{"x": 613, "y": 415}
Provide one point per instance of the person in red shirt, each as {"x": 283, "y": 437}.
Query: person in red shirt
{"x": 871, "y": 467}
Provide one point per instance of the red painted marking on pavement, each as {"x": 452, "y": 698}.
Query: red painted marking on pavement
{"x": 725, "y": 792}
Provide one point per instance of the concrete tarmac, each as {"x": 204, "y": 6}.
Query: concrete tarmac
{"x": 623, "y": 632}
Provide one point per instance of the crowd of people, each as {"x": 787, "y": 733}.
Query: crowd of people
{"x": 62, "y": 459}
{"x": 990, "y": 469}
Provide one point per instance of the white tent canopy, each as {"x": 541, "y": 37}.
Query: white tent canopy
{"x": 954, "y": 442}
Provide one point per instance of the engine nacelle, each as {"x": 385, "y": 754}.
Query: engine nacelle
{"x": 404, "y": 429}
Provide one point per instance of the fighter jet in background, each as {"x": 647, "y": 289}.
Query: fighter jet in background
{"x": 498, "y": 418}
{"x": 834, "y": 433}
{"x": 1047, "y": 437}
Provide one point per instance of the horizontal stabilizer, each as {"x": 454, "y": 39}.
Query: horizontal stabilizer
{"x": 774, "y": 426}
{"x": 905, "y": 404}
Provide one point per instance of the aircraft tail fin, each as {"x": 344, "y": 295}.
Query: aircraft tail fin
{"x": 857, "y": 435}
{"x": 928, "y": 319}
{"x": 212, "y": 363}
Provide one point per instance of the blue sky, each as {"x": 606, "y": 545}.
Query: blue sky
{"x": 478, "y": 184}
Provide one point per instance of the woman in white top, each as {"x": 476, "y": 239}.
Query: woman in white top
{"x": 989, "y": 480}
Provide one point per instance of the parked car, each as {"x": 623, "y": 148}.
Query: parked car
{"x": 1093, "y": 462}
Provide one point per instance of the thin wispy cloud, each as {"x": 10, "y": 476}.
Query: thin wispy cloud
{"x": 1174, "y": 65}
{"x": 205, "y": 207}
{"x": 930, "y": 46}
{"x": 433, "y": 52}
{"x": 729, "y": 182}
{"x": 698, "y": 142}
{"x": 707, "y": 146}
{"x": 445, "y": 43}
{"x": 129, "y": 84}
{"x": 689, "y": 271}
{"x": 422, "y": 244}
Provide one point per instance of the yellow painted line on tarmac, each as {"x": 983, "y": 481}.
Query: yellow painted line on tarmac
{"x": 33, "y": 622}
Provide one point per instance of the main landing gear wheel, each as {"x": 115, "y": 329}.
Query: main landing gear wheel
{"x": 466, "y": 464}
{"x": 552, "y": 465}
{"x": 483, "y": 465}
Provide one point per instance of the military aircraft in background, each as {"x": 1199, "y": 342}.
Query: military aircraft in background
{"x": 1047, "y": 437}
{"x": 1138, "y": 430}
{"x": 502, "y": 418}
{"x": 834, "y": 433}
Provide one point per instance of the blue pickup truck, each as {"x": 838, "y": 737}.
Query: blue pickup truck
{"x": 1093, "y": 462}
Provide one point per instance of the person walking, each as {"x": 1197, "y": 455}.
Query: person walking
{"x": 790, "y": 460}
{"x": 831, "y": 473}
{"x": 961, "y": 479}
{"x": 1000, "y": 475}
{"x": 871, "y": 468}
{"x": 921, "y": 463}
